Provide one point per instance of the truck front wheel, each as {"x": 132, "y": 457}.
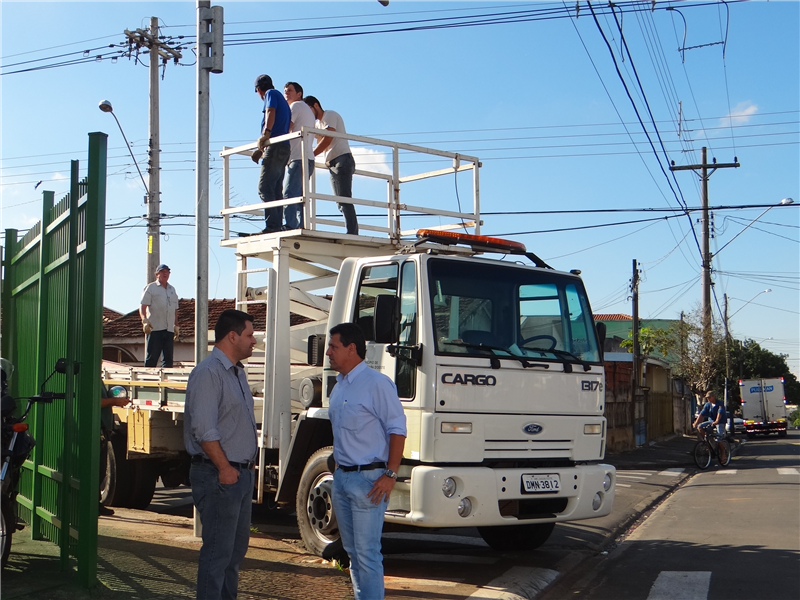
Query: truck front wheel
{"x": 315, "y": 517}
{"x": 515, "y": 538}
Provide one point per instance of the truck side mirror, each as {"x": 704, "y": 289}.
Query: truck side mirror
{"x": 387, "y": 311}
{"x": 601, "y": 337}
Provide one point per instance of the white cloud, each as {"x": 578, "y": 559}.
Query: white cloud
{"x": 368, "y": 159}
{"x": 740, "y": 114}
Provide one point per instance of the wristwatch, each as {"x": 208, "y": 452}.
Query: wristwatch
{"x": 390, "y": 474}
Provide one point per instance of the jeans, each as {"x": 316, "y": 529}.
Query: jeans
{"x": 225, "y": 515}
{"x": 158, "y": 342}
{"x": 293, "y": 188}
{"x": 342, "y": 169}
{"x": 270, "y": 183}
{"x": 360, "y": 525}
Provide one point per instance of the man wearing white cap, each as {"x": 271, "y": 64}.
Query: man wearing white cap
{"x": 159, "y": 313}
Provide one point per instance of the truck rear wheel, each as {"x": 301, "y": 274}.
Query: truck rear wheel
{"x": 515, "y": 538}
{"x": 115, "y": 487}
{"x": 145, "y": 477}
{"x": 315, "y": 517}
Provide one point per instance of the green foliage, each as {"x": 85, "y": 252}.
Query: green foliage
{"x": 794, "y": 417}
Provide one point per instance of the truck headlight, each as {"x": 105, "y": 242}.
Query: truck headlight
{"x": 449, "y": 487}
{"x": 607, "y": 482}
{"x": 597, "y": 501}
{"x": 464, "y": 507}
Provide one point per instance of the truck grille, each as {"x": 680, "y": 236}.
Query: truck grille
{"x": 526, "y": 448}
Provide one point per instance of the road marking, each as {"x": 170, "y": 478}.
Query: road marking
{"x": 671, "y": 472}
{"x": 518, "y": 583}
{"x": 645, "y": 473}
{"x": 727, "y": 472}
{"x": 681, "y": 585}
{"x": 788, "y": 471}
{"x": 630, "y": 477}
{"x": 405, "y": 582}
{"x": 456, "y": 558}
{"x": 623, "y": 485}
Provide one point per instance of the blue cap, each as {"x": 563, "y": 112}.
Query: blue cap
{"x": 162, "y": 267}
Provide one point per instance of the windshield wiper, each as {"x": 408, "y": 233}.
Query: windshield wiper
{"x": 568, "y": 367}
{"x": 494, "y": 360}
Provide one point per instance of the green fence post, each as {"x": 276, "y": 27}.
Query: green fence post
{"x": 91, "y": 355}
{"x": 45, "y": 246}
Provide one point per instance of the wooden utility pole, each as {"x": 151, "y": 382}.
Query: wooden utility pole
{"x": 707, "y": 257}
{"x": 160, "y": 53}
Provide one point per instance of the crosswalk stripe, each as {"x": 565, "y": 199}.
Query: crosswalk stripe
{"x": 518, "y": 583}
{"x": 727, "y": 472}
{"x": 619, "y": 476}
{"x": 674, "y": 472}
{"x": 623, "y": 485}
{"x": 681, "y": 585}
{"x": 788, "y": 471}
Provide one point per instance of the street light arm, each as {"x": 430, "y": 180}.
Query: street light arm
{"x": 767, "y": 291}
{"x": 784, "y": 202}
{"x": 131, "y": 151}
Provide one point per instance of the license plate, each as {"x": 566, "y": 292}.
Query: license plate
{"x": 538, "y": 484}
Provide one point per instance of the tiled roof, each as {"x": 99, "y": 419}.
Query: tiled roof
{"x": 613, "y": 317}
{"x": 110, "y": 314}
{"x": 130, "y": 325}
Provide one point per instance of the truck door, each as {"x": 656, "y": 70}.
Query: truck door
{"x": 400, "y": 283}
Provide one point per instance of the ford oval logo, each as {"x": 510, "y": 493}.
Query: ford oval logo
{"x": 532, "y": 428}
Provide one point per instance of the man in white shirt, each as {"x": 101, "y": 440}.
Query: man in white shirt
{"x": 159, "y": 313}
{"x": 302, "y": 116}
{"x": 338, "y": 159}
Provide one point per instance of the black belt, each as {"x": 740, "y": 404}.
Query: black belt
{"x": 369, "y": 467}
{"x": 197, "y": 459}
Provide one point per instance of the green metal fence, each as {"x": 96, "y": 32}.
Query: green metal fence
{"x": 52, "y": 300}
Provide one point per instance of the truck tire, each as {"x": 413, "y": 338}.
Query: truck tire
{"x": 115, "y": 487}
{"x": 515, "y": 538}
{"x": 9, "y": 524}
{"x": 782, "y": 433}
{"x": 315, "y": 518}
{"x": 145, "y": 477}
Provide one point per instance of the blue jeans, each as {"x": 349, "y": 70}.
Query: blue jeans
{"x": 342, "y": 169}
{"x": 159, "y": 342}
{"x": 360, "y": 525}
{"x": 225, "y": 514}
{"x": 270, "y": 183}
{"x": 293, "y": 188}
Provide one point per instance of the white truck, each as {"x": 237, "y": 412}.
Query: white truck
{"x": 496, "y": 358}
{"x": 763, "y": 406}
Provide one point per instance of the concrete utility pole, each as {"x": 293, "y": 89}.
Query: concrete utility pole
{"x": 706, "y": 281}
{"x": 159, "y": 53}
{"x": 209, "y": 60}
{"x": 635, "y": 326}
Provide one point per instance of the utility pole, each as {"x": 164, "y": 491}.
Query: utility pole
{"x": 707, "y": 257}
{"x": 727, "y": 360}
{"x": 635, "y": 326}
{"x": 209, "y": 60}
{"x": 160, "y": 53}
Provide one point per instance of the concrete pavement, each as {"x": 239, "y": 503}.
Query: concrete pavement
{"x": 146, "y": 556}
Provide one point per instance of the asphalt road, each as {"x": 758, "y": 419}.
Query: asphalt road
{"x": 728, "y": 533}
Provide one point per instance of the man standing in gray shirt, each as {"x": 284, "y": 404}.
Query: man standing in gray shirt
{"x": 219, "y": 430}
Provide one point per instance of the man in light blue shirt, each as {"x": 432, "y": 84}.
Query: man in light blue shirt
{"x": 369, "y": 434}
{"x": 219, "y": 430}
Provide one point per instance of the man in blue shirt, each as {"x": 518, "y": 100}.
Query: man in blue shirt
{"x": 714, "y": 415}
{"x": 219, "y": 431}
{"x": 369, "y": 434}
{"x": 275, "y": 122}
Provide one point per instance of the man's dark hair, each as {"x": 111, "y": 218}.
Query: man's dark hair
{"x": 231, "y": 320}
{"x": 264, "y": 83}
{"x": 350, "y": 333}
{"x": 297, "y": 87}
{"x": 311, "y": 101}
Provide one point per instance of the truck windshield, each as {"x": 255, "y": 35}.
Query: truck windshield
{"x": 510, "y": 312}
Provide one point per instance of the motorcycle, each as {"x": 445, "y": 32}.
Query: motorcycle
{"x": 17, "y": 443}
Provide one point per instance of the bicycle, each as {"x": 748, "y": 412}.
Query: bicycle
{"x": 708, "y": 448}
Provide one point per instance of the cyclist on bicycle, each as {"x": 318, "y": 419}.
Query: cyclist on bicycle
{"x": 714, "y": 414}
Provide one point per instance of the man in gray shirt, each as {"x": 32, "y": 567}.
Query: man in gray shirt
{"x": 219, "y": 430}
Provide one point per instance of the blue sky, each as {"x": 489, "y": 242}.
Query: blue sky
{"x": 539, "y": 101}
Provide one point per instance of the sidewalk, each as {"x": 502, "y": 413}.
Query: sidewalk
{"x": 156, "y": 557}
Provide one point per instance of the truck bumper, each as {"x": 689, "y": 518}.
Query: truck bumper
{"x": 496, "y": 496}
